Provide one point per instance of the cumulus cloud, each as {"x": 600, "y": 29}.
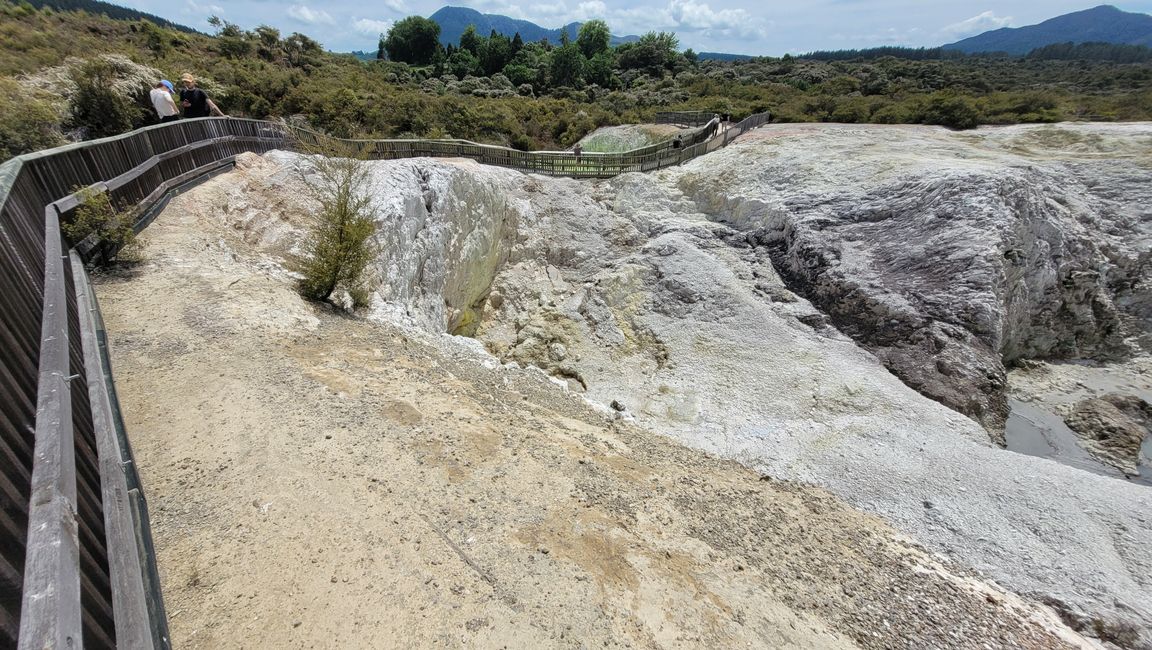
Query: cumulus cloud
{"x": 371, "y": 27}
{"x": 396, "y": 5}
{"x": 690, "y": 15}
{"x": 977, "y": 25}
{"x": 592, "y": 9}
{"x": 310, "y": 16}
{"x": 553, "y": 9}
{"x": 193, "y": 8}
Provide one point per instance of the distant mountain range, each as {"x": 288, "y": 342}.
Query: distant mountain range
{"x": 454, "y": 20}
{"x": 1103, "y": 24}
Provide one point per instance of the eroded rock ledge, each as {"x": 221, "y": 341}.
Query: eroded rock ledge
{"x": 952, "y": 262}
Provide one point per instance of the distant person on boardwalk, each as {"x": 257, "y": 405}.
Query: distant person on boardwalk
{"x": 161, "y": 96}
{"x": 678, "y": 142}
{"x": 195, "y": 101}
{"x": 577, "y": 149}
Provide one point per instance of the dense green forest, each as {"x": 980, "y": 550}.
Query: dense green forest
{"x": 536, "y": 95}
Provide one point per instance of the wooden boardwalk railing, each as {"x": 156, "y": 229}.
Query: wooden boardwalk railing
{"x": 76, "y": 567}
{"x": 76, "y": 562}
{"x": 550, "y": 163}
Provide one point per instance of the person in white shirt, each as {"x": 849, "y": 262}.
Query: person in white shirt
{"x": 162, "y": 101}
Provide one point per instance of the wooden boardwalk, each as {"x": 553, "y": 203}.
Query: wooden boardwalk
{"x": 76, "y": 562}
{"x": 694, "y": 142}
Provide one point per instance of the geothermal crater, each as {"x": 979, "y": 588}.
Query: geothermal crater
{"x": 856, "y": 308}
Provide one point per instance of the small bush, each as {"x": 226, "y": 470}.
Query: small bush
{"x": 27, "y": 121}
{"x": 897, "y": 113}
{"x": 97, "y": 216}
{"x": 952, "y": 111}
{"x": 96, "y": 107}
{"x": 341, "y": 240}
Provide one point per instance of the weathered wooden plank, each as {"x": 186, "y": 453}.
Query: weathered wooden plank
{"x": 129, "y": 606}
{"x": 10, "y": 526}
{"x": 17, "y": 478}
{"x": 50, "y": 612}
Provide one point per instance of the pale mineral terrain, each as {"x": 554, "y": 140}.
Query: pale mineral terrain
{"x": 628, "y": 136}
{"x": 824, "y": 316}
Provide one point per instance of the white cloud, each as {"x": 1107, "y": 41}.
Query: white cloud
{"x": 592, "y": 9}
{"x": 310, "y": 16}
{"x": 193, "y": 8}
{"x": 690, "y": 15}
{"x": 554, "y": 9}
{"x": 371, "y": 27}
{"x": 977, "y": 25}
{"x": 640, "y": 20}
{"x": 396, "y": 5}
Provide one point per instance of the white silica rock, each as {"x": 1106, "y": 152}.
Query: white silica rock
{"x": 780, "y": 302}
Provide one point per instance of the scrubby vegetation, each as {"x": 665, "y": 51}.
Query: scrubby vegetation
{"x": 112, "y": 228}
{"x": 97, "y": 107}
{"x": 340, "y": 241}
{"x": 540, "y": 95}
{"x": 27, "y": 120}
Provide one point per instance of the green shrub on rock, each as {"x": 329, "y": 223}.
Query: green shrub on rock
{"x": 96, "y": 216}
{"x": 341, "y": 239}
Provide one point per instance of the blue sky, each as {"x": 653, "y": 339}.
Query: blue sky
{"x": 736, "y": 26}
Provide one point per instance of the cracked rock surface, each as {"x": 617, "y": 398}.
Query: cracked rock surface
{"x": 950, "y": 256}
{"x": 1114, "y": 426}
{"x": 828, "y": 304}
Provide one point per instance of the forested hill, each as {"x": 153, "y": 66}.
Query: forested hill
{"x": 76, "y": 74}
{"x": 1103, "y": 24}
{"x": 1067, "y": 51}
{"x": 112, "y": 11}
{"x": 454, "y": 20}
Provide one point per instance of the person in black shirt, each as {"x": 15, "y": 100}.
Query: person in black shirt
{"x": 195, "y": 101}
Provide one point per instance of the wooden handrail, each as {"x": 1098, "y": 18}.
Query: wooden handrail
{"x": 50, "y": 612}
{"x": 75, "y": 549}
